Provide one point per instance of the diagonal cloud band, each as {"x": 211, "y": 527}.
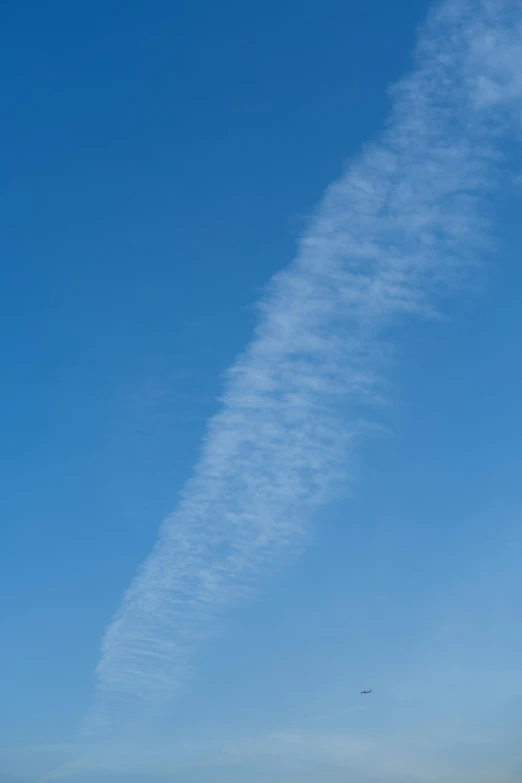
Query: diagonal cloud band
{"x": 403, "y": 223}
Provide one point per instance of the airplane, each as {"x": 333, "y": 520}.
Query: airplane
{"x": 366, "y": 691}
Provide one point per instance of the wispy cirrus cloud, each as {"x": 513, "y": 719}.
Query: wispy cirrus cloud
{"x": 401, "y": 225}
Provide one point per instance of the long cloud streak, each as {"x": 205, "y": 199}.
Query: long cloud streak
{"x": 402, "y": 223}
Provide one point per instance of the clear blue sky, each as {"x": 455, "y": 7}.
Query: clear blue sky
{"x": 161, "y": 162}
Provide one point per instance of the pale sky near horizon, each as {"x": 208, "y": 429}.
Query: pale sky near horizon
{"x": 261, "y": 332}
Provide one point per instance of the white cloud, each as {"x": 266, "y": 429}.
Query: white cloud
{"x": 402, "y": 224}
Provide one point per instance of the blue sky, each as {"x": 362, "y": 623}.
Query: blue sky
{"x": 335, "y": 449}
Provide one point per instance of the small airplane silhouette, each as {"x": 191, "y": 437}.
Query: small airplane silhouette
{"x": 366, "y": 691}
